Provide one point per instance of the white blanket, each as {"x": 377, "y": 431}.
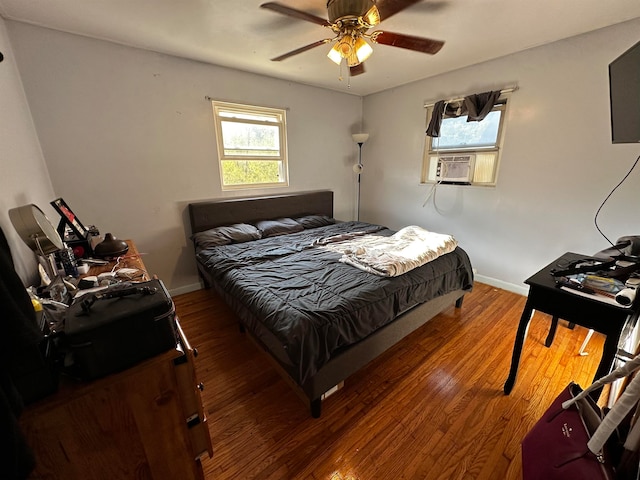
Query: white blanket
{"x": 405, "y": 250}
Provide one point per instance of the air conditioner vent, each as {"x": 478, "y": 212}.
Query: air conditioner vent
{"x": 455, "y": 168}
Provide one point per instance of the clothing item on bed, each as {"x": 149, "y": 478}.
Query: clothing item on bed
{"x": 403, "y": 251}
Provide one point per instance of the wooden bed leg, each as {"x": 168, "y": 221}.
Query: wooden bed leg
{"x": 459, "y": 302}
{"x": 316, "y": 407}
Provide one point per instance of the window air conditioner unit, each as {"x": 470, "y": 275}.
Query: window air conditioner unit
{"x": 455, "y": 169}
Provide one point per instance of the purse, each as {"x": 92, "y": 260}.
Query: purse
{"x": 574, "y": 441}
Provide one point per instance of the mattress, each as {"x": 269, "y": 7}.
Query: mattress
{"x": 315, "y": 306}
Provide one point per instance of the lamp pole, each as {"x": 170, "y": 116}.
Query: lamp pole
{"x": 360, "y": 170}
{"x": 359, "y": 138}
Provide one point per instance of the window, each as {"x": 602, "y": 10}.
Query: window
{"x": 472, "y": 145}
{"x": 252, "y": 145}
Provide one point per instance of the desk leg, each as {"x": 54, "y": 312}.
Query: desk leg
{"x": 552, "y": 332}
{"x": 521, "y": 335}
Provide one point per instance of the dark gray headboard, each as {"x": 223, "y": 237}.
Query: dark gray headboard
{"x": 213, "y": 213}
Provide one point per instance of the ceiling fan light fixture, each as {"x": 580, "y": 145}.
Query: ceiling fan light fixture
{"x": 344, "y": 48}
{"x": 363, "y": 49}
{"x": 334, "y": 55}
{"x": 352, "y": 60}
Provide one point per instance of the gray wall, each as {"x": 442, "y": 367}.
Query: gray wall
{"x": 129, "y": 139}
{"x": 23, "y": 173}
{"x": 558, "y": 163}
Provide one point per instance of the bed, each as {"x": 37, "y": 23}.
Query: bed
{"x": 320, "y": 320}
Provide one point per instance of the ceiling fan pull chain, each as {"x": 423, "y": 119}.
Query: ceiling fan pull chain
{"x": 348, "y": 76}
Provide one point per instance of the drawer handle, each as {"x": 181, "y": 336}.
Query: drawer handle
{"x": 193, "y": 421}
{"x": 195, "y": 352}
{"x": 200, "y": 386}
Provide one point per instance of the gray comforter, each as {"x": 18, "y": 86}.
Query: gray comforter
{"x": 299, "y": 292}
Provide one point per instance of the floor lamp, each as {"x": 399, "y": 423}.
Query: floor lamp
{"x": 359, "y": 138}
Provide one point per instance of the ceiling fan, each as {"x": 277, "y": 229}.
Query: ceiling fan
{"x": 351, "y": 21}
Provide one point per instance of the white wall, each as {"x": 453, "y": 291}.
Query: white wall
{"x": 558, "y": 163}
{"x": 129, "y": 140}
{"x": 23, "y": 173}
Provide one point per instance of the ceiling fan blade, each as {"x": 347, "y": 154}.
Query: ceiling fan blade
{"x": 292, "y": 12}
{"x": 301, "y": 49}
{"x": 356, "y": 70}
{"x": 418, "y": 44}
{"x": 388, "y": 8}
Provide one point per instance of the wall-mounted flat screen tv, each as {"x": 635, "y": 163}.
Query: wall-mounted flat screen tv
{"x": 624, "y": 89}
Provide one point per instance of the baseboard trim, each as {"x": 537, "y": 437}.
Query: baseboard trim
{"x": 519, "y": 289}
{"x": 185, "y": 289}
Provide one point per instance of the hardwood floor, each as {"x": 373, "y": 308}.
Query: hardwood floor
{"x": 432, "y": 407}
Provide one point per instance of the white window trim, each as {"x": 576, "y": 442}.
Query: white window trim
{"x": 279, "y": 114}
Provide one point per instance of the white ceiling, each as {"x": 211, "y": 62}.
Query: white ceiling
{"x": 238, "y": 34}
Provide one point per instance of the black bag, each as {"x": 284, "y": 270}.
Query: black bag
{"x": 116, "y": 328}
{"x": 27, "y": 354}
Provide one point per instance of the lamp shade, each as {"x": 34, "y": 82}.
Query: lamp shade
{"x": 334, "y": 55}
{"x": 360, "y": 137}
{"x": 111, "y": 247}
{"x": 35, "y": 229}
{"x": 363, "y": 49}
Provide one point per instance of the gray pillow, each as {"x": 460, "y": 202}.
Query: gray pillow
{"x": 237, "y": 233}
{"x": 280, "y": 226}
{"x": 314, "y": 221}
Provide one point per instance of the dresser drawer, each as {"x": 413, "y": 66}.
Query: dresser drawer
{"x": 188, "y": 387}
{"x": 190, "y": 399}
{"x": 200, "y": 438}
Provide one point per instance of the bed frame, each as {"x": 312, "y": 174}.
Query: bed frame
{"x": 214, "y": 213}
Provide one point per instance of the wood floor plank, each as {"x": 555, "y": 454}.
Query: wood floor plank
{"x": 431, "y": 407}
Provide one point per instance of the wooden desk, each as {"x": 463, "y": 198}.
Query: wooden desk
{"x": 590, "y": 313}
{"x": 146, "y": 422}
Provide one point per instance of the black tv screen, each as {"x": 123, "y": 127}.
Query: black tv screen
{"x": 624, "y": 90}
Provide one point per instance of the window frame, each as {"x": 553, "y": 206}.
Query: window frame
{"x": 280, "y": 121}
{"x": 432, "y": 151}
